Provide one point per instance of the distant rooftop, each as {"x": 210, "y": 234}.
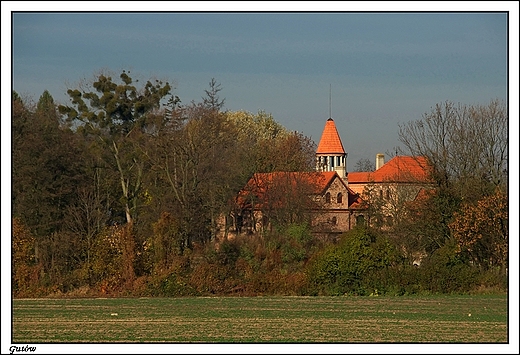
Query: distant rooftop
{"x": 398, "y": 169}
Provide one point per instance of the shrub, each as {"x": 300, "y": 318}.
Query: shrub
{"x": 228, "y": 253}
{"x": 492, "y": 281}
{"x": 296, "y": 243}
{"x": 354, "y": 266}
{"x": 174, "y": 285}
{"x": 446, "y": 272}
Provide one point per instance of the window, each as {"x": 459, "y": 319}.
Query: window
{"x": 388, "y": 194}
{"x": 339, "y": 199}
{"x": 334, "y": 220}
{"x": 327, "y": 197}
{"x": 360, "y": 220}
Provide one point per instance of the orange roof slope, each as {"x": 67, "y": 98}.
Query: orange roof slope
{"x": 261, "y": 184}
{"x": 360, "y": 176}
{"x": 330, "y": 143}
{"x": 403, "y": 169}
{"x": 398, "y": 169}
{"x": 317, "y": 181}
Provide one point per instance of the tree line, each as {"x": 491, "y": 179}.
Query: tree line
{"x": 120, "y": 192}
{"x": 135, "y": 157}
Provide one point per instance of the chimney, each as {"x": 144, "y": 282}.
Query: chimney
{"x": 380, "y": 160}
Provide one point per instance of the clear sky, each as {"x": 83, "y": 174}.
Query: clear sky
{"x": 381, "y": 69}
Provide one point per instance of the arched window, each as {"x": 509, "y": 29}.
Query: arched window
{"x": 327, "y": 197}
{"x": 334, "y": 220}
{"x": 339, "y": 199}
{"x": 360, "y": 220}
{"x": 388, "y": 194}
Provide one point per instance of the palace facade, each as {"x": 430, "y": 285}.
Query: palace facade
{"x": 339, "y": 200}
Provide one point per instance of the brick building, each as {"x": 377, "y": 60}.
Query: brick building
{"x": 332, "y": 199}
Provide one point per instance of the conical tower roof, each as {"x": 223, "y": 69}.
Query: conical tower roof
{"x": 330, "y": 143}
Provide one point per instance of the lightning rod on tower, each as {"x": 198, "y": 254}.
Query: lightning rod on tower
{"x": 330, "y": 100}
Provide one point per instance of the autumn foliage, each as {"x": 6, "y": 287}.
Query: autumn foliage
{"x": 25, "y": 271}
{"x": 122, "y": 193}
{"x": 481, "y": 230}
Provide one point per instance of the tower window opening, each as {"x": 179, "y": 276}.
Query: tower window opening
{"x": 339, "y": 198}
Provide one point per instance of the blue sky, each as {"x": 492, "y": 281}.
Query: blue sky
{"x": 382, "y": 68}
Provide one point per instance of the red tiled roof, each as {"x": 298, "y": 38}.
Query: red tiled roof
{"x": 360, "y": 176}
{"x": 330, "y": 142}
{"x": 318, "y": 181}
{"x": 398, "y": 169}
{"x": 259, "y": 186}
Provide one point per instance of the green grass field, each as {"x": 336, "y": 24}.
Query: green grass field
{"x": 439, "y": 319}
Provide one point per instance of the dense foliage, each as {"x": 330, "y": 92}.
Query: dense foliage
{"x": 120, "y": 193}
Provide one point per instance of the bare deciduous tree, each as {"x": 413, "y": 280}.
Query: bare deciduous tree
{"x": 466, "y": 146}
{"x": 365, "y": 165}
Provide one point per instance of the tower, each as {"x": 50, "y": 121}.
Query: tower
{"x": 330, "y": 155}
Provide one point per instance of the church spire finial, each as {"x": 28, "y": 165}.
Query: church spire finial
{"x": 330, "y": 100}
